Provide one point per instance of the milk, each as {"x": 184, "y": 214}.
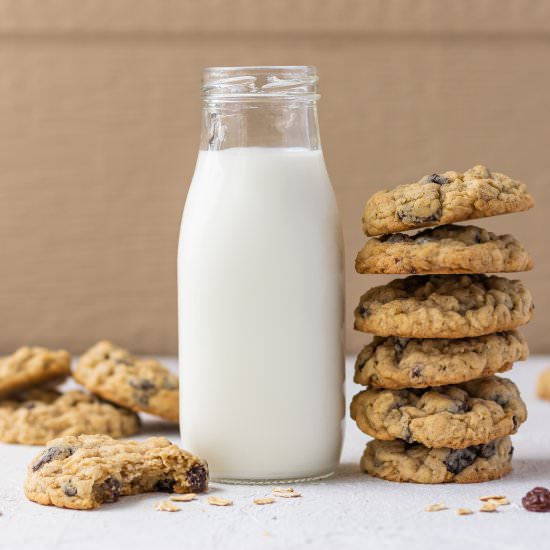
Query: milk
{"x": 260, "y": 282}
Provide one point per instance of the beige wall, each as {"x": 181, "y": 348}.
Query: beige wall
{"x": 99, "y": 122}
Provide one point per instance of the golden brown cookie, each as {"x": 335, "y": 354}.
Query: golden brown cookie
{"x": 456, "y": 416}
{"x": 38, "y": 415}
{"x": 397, "y": 363}
{"x": 445, "y": 198}
{"x": 138, "y": 384}
{"x": 444, "y": 306}
{"x": 84, "y": 472}
{"x": 33, "y": 366}
{"x": 400, "y": 461}
{"x": 445, "y": 249}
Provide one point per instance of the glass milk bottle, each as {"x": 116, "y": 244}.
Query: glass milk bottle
{"x": 260, "y": 283}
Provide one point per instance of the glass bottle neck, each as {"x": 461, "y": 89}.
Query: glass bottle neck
{"x": 260, "y": 122}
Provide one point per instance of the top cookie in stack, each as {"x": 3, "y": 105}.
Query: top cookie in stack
{"x": 447, "y": 323}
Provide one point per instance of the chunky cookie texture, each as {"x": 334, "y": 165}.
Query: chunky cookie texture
{"x": 36, "y": 416}
{"x": 444, "y": 306}
{"x": 456, "y": 416}
{"x": 32, "y": 366}
{"x": 445, "y": 198}
{"x": 401, "y": 461}
{"x": 543, "y": 385}
{"x": 139, "y": 384}
{"x": 85, "y": 472}
{"x": 445, "y": 249}
{"x": 397, "y": 363}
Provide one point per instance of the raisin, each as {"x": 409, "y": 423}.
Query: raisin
{"x": 109, "y": 490}
{"x": 488, "y": 450}
{"x": 537, "y": 500}
{"x": 70, "y": 490}
{"x": 197, "y": 477}
{"x": 363, "y": 311}
{"x": 165, "y": 485}
{"x": 52, "y": 453}
{"x": 399, "y": 347}
{"x": 458, "y": 460}
{"x": 434, "y": 178}
{"x": 142, "y": 384}
{"x": 416, "y": 371}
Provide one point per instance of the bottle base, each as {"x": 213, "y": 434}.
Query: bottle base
{"x": 231, "y": 481}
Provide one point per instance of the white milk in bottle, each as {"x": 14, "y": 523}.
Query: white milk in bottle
{"x": 260, "y": 280}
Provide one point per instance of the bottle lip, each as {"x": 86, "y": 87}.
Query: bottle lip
{"x": 260, "y": 82}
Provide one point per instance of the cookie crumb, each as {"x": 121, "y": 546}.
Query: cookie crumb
{"x": 217, "y": 501}
{"x": 488, "y": 507}
{"x": 183, "y": 498}
{"x": 464, "y": 511}
{"x": 166, "y": 506}
{"x": 261, "y": 501}
{"x": 435, "y": 508}
{"x": 492, "y": 497}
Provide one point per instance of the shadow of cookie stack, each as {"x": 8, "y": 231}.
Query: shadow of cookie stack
{"x": 433, "y": 403}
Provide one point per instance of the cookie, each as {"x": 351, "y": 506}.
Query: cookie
{"x": 457, "y": 416}
{"x": 445, "y": 198}
{"x": 401, "y": 461}
{"x": 445, "y": 249}
{"x": 86, "y": 471}
{"x": 138, "y": 384}
{"x": 396, "y": 363}
{"x": 543, "y": 385}
{"x": 444, "y": 306}
{"x": 36, "y": 416}
{"x": 33, "y": 366}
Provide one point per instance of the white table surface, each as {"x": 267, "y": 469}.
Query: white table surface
{"x": 349, "y": 510}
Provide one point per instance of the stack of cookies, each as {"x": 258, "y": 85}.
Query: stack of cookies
{"x": 433, "y": 403}
{"x": 33, "y": 410}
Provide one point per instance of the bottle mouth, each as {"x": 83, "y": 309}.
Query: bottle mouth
{"x": 277, "y": 82}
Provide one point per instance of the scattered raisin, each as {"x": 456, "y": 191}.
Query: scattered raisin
{"x": 537, "y": 500}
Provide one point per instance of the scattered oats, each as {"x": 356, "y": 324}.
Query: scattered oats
{"x": 217, "y": 501}
{"x": 435, "y": 508}
{"x": 286, "y": 494}
{"x": 503, "y": 501}
{"x": 488, "y": 507}
{"x": 492, "y": 497}
{"x": 283, "y": 490}
{"x": 464, "y": 511}
{"x": 183, "y": 498}
{"x": 166, "y": 506}
{"x": 261, "y": 501}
